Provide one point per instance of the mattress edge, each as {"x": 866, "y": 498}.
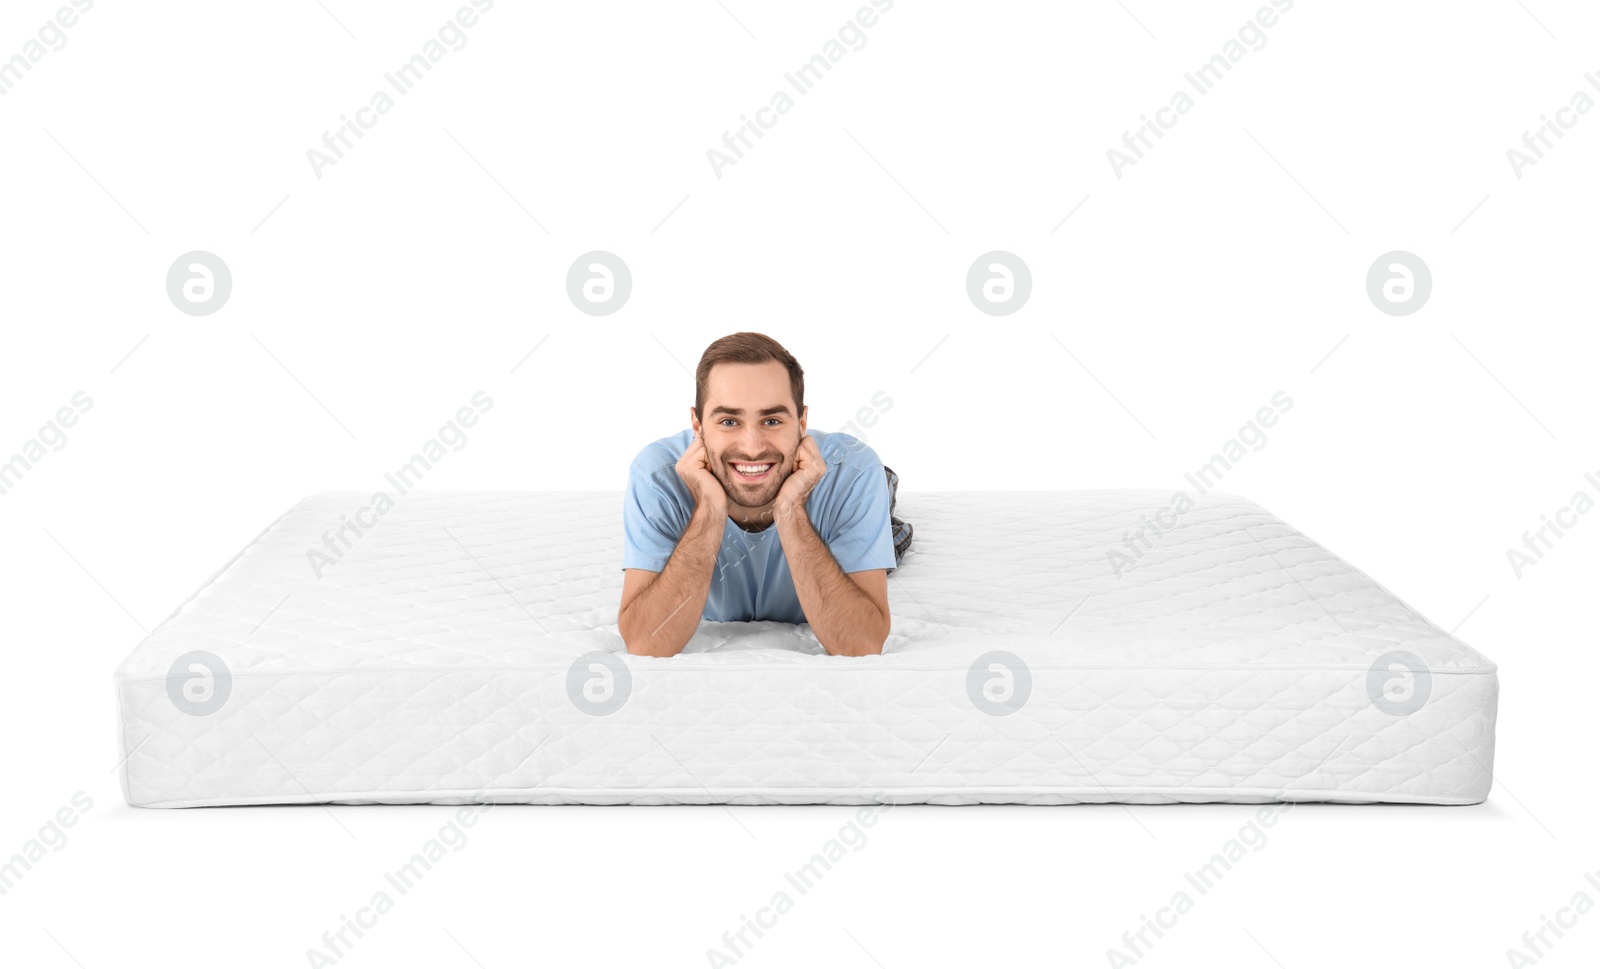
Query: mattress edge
{"x": 1463, "y": 644}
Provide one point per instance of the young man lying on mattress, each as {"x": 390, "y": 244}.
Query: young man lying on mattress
{"x": 746, "y": 515}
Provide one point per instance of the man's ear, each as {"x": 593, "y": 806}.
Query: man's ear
{"x": 694, "y": 422}
{"x": 804, "y": 413}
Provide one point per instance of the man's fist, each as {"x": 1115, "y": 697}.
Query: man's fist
{"x": 808, "y": 471}
{"x": 695, "y": 470}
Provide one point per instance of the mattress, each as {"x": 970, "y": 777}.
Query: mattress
{"x": 1046, "y": 648}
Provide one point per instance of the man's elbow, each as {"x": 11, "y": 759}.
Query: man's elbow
{"x": 645, "y": 644}
{"x": 647, "y": 647}
{"x": 870, "y": 644}
{"x": 639, "y": 644}
{"x": 880, "y": 635}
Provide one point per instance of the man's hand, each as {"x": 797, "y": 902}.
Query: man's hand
{"x": 695, "y": 470}
{"x": 808, "y": 471}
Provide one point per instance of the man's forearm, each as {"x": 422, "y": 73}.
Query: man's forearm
{"x": 847, "y": 622}
{"x": 662, "y": 618}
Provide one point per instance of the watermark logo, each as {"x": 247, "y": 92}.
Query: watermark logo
{"x": 1157, "y": 523}
{"x": 1202, "y": 80}
{"x": 599, "y": 283}
{"x": 1536, "y": 943}
{"x": 1536, "y": 142}
{"x": 999, "y": 683}
{"x": 52, "y": 37}
{"x": 199, "y": 283}
{"x": 850, "y": 838}
{"x": 452, "y": 36}
{"x": 1399, "y": 283}
{"x": 51, "y": 837}
{"x": 199, "y": 683}
{"x": 851, "y": 36}
{"x": 1398, "y": 683}
{"x": 999, "y": 283}
{"x": 599, "y": 683}
{"x": 452, "y": 436}
{"x": 451, "y": 838}
{"x": 52, "y": 436}
{"x": 1551, "y": 528}
{"x": 1249, "y": 839}
{"x": 865, "y": 417}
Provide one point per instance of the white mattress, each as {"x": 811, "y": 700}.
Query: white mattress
{"x": 431, "y": 663}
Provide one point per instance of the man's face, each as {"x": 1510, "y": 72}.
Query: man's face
{"x": 750, "y": 420}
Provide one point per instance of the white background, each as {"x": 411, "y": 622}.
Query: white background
{"x": 369, "y": 304}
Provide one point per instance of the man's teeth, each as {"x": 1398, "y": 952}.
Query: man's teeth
{"x": 752, "y": 468}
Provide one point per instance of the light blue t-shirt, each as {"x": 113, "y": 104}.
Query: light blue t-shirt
{"x": 849, "y": 508}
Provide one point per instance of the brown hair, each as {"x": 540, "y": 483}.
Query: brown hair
{"x": 747, "y": 347}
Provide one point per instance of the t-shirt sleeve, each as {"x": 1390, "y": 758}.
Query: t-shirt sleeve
{"x": 861, "y": 537}
{"x": 652, "y": 522}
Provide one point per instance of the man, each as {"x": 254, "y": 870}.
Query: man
{"x": 746, "y": 515}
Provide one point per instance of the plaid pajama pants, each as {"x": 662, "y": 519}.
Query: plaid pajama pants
{"x": 902, "y": 530}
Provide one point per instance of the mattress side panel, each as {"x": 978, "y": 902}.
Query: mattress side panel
{"x": 783, "y": 736}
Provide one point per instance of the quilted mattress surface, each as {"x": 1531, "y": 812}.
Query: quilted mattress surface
{"x": 464, "y": 646}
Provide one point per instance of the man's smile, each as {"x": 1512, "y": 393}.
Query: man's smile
{"x": 753, "y": 472}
